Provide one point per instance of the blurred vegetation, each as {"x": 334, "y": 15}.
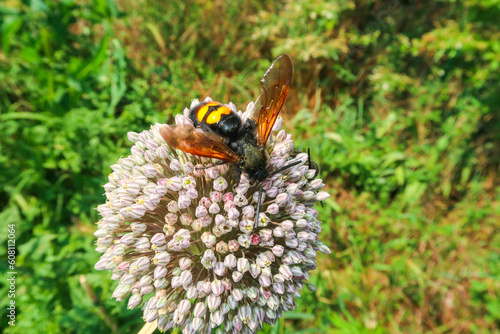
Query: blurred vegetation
{"x": 398, "y": 100}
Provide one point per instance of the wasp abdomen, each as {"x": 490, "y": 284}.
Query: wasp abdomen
{"x": 217, "y": 118}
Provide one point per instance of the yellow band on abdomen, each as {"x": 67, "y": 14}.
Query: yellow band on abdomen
{"x": 204, "y": 109}
{"x": 216, "y": 115}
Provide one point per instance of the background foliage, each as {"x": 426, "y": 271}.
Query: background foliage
{"x": 398, "y": 100}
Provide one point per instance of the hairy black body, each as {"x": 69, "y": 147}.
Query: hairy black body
{"x": 239, "y": 136}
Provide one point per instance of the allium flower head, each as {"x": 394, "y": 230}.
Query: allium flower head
{"x": 180, "y": 237}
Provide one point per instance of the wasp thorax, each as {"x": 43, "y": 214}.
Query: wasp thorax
{"x": 255, "y": 163}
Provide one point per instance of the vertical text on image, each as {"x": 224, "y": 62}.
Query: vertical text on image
{"x": 11, "y": 274}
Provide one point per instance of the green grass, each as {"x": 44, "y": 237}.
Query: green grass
{"x": 399, "y": 102}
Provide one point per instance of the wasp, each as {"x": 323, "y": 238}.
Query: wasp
{"x": 220, "y": 133}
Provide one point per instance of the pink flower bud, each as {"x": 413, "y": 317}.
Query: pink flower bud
{"x": 215, "y": 196}
{"x": 233, "y": 213}
{"x": 208, "y": 239}
{"x": 198, "y": 171}
{"x": 212, "y": 173}
{"x": 219, "y": 220}
{"x": 188, "y": 167}
{"x": 322, "y": 195}
{"x": 254, "y": 270}
{"x": 273, "y": 209}
{"x": 201, "y": 211}
{"x": 132, "y": 136}
{"x": 248, "y": 211}
{"x": 278, "y": 250}
{"x": 162, "y": 258}
{"x": 134, "y": 301}
{"x": 228, "y": 197}
{"x": 237, "y": 276}
{"x": 244, "y": 240}
{"x": 173, "y": 207}
{"x": 220, "y": 184}
{"x": 186, "y": 277}
{"x": 217, "y": 287}
{"x": 287, "y": 225}
{"x": 175, "y": 165}
{"x": 158, "y": 239}
{"x": 214, "y": 208}
{"x": 185, "y": 263}
{"x": 220, "y": 269}
{"x": 255, "y": 239}
{"x": 213, "y": 302}
{"x": 243, "y": 265}
{"x": 233, "y": 245}
{"x": 221, "y": 247}
{"x": 199, "y": 310}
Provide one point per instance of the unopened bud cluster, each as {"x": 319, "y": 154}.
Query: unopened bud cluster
{"x": 180, "y": 238}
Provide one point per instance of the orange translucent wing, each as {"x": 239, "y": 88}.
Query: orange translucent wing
{"x": 194, "y": 141}
{"x": 274, "y": 88}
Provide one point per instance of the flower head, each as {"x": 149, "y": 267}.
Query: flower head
{"x": 181, "y": 238}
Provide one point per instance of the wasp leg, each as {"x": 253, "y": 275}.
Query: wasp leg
{"x": 309, "y": 157}
{"x": 256, "y": 221}
{"x": 236, "y": 175}
{"x": 283, "y": 168}
{"x": 313, "y": 165}
{"x": 218, "y": 163}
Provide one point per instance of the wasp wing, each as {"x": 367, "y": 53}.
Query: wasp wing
{"x": 274, "y": 87}
{"x": 194, "y": 141}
